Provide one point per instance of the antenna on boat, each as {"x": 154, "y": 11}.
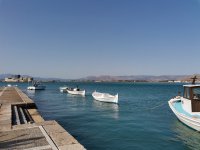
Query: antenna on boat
{"x": 179, "y": 93}
{"x": 194, "y": 79}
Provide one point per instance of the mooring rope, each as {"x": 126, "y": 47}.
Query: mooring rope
{"x": 157, "y": 106}
{"x": 163, "y": 103}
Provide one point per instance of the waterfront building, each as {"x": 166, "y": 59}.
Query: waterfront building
{"x": 18, "y": 78}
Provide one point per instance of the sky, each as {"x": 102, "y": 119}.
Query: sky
{"x": 77, "y": 38}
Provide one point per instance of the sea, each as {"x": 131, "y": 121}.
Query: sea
{"x": 141, "y": 121}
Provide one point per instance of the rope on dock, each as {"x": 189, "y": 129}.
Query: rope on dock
{"x": 161, "y": 104}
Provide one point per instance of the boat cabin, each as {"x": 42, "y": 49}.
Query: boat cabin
{"x": 192, "y": 92}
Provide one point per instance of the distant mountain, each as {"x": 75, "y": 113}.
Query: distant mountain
{"x": 3, "y": 76}
{"x": 115, "y": 78}
{"x": 49, "y": 79}
{"x": 188, "y": 78}
{"x": 136, "y": 77}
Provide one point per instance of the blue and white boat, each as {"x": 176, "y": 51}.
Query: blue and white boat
{"x": 187, "y": 107}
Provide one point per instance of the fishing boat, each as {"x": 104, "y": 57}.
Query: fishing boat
{"x": 36, "y": 86}
{"x": 187, "y": 107}
{"x": 63, "y": 89}
{"x": 76, "y": 91}
{"x": 105, "y": 97}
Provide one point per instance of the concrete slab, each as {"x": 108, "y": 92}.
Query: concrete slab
{"x": 22, "y": 139}
{"x": 72, "y": 147}
{"x": 35, "y": 115}
{"x": 5, "y": 117}
{"x": 37, "y": 135}
{"x": 5, "y": 127}
{"x": 55, "y": 128}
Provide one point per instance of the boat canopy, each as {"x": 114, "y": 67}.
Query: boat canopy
{"x": 191, "y": 85}
{"x": 192, "y": 92}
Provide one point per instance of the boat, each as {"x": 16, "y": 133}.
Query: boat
{"x": 9, "y": 85}
{"x": 105, "y": 97}
{"x": 36, "y": 86}
{"x": 63, "y": 89}
{"x": 187, "y": 107}
{"x": 76, "y": 91}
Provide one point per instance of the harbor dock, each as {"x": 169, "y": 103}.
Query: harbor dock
{"x": 22, "y": 127}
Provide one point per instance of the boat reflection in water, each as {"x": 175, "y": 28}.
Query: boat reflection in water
{"x": 109, "y": 109}
{"x": 77, "y": 100}
{"x": 187, "y": 135}
{"x": 76, "y": 96}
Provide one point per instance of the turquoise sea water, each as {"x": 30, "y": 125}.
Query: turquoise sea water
{"x": 141, "y": 121}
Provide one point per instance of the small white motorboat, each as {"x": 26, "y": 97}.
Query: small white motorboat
{"x": 187, "y": 108}
{"x": 9, "y": 85}
{"x": 63, "y": 89}
{"x": 36, "y": 86}
{"x": 76, "y": 91}
{"x": 105, "y": 97}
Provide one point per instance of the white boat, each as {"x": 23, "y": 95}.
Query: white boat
{"x": 63, "y": 89}
{"x": 105, "y": 97}
{"x": 9, "y": 85}
{"x": 36, "y": 86}
{"x": 187, "y": 107}
{"x": 76, "y": 91}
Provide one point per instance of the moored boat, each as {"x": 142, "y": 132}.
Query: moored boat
{"x": 9, "y": 85}
{"x": 105, "y": 97}
{"x": 76, "y": 91}
{"x": 187, "y": 107}
{"x": 36, "y": 86}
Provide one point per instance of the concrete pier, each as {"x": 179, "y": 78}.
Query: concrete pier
{"x": 22, "y": 127}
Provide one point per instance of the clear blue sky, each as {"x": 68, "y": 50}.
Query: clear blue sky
{"x": 77, "y": 38}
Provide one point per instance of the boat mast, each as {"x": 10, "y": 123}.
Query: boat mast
{"x": 194, "y": 79}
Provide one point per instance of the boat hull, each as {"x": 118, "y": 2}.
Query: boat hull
{"x": 36, "y": 88}
{"x": 109, "y": 99}
{"x": 191, "y": 121}
{"x": 76, "y": 92}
